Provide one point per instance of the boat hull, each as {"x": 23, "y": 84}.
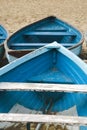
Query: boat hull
{"x": 77, "y": 50}
{"x": 52, "y": 64}
{"x": 3, "y": 37}
{"x": 44, "y": 32}
{"x": 2, "y": 51}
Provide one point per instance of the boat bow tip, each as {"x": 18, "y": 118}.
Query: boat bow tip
{"x": 54, "y": 45}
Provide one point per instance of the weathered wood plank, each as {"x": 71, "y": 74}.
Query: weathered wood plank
{"x": 43, "y": 87}
{"x": 72, "y": 120}
{"x": 50, "y": 33}
{"x": 37, "y": 44}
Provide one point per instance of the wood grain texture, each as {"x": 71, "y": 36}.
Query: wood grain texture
{"x": 43, "y": 87}
{"x": 72, "y": 120}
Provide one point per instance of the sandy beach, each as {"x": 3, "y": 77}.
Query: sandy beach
{"x": 15, "y": 14}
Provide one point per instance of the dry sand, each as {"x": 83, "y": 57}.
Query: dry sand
{"x": 15, "y": 14}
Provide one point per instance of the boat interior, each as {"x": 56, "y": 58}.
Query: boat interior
{"x": 44, "y": 32}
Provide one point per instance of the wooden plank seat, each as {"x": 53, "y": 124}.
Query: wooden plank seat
{"x": 43, "y": 118}
{"x": 39, "y": 44}
{"x": 43, "y": 87}
{"x": 48, "y": 33}
{"x": 60, "y": 29}
{"x": 70, "y": 120}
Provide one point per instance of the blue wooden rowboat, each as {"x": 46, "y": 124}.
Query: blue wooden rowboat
{"x": 52, "y": 63}
{"x": 3, "y": 37}
{"x": 44, "y": 32}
